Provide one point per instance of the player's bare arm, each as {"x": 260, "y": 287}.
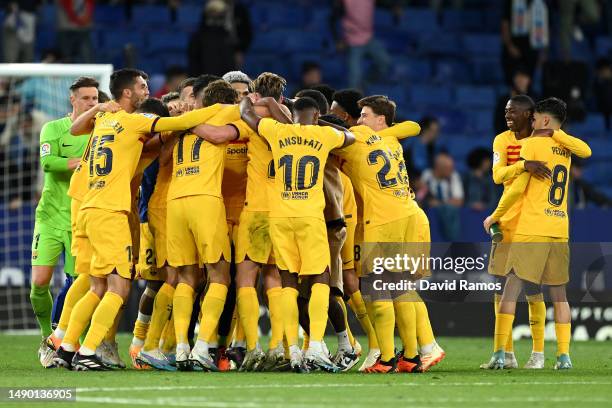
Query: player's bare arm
{"x": 275, "y": 110}
{"x": 248, "y": 114}
{"x": 85, "y": 123}
{"x": 216, "y": 134}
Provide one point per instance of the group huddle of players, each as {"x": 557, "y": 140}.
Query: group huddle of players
{"x": 225, "y": 187}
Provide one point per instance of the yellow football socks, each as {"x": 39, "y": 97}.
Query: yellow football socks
{"x": 212, "y": 307}
{"x": 318, "y": 307}
{"x": 162, "y": 308}
{"x": 405, "y": 316}
{"x": 346, "y": 323}
{"x": 537, "y": 321}
{"x": 503, "y": 329}
{"x": 384, "y": 322}
{"x": 79, "y": 319}
{"x": 182, "y": 306}
{"x": 168, "y": 343}
{"x": 564, "y": 334}
{"x": 509, "y": 346}
{"x": 290, "y": 314}
{"x": 248, "y": 310}
{"x": 77, "y": 290}
{"x": 424, "y": 331}
{"x": 276, "y": 315}
{"x": 359, "y": 308}
{"x": 112, "y": 331}
{"x": 102, "y": 320}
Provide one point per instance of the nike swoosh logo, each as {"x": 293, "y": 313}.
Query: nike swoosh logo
{"x": 347, "y": 262}
{"x": 65, "y": 145}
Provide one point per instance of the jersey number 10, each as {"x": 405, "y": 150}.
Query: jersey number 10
{"x": 304, "y": 164}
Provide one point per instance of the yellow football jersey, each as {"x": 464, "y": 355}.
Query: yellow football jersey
{"x": 300, "y": 153}
{"x": 544, "y": 202}
{"x": 197, "y": 164}
{"x": 234, "y": 182}
{"x": 260, "y": 169}
{"x": 78, "y": 181}
{"x": 377, "y": 178}
{"x": 159, "y": 197}
{"x": 349, "y": 204}
{"x": 115, "y": 150}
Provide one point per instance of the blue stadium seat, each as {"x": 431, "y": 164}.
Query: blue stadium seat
{"x": 298, "y": 59}
{"x": 601, "y": 148}
{"x": 188, "y": 17}
{"x": 452, "y": 71}
{"x": 274, "y": 16}
{"x": 150, "y": 15}
{"x": 47, "y": 16}
{"x": 481, "y": 122}
{"x": 395, "y": 40}
{"x": 114, "y": 40}
{"x": 482, "y": 44}
{"x": 460, "y": 20}
{"x": 334, "y": 71}
{"x": 45, "y": 38}
{"x": 109, "y": 15}
{"x": 257, "y": 63}
{"x": 268, "y": 41}
{"x": 598, "y": 173}
{"x": 159, "y": 41}
{"x": 318, "y": 19}
{"x": 452, "y": 121}
{"x": 472, "y": 96}
{"x": 444, "y": 44}
{"x": 422, "y": 20}
{"x": 430, "y": 95}
{"x": 487, "y": 70}
{"x": 410, "y": 69}
{"x": 593, "y": 125}
{"x": 603, "y": 46}
{"x": 397, "y": 93}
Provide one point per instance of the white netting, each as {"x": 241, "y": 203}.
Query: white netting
{"x": 30, "y": 96}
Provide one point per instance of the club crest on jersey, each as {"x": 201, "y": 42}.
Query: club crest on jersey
{"x": 45, "y": 149}
{"x": 149, "y": 115}
{"x": 495, "y": 157}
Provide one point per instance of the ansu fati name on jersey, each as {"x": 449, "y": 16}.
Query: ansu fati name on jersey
{"x": 299, "y": 140}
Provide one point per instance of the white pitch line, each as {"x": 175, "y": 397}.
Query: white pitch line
{"x": 333, "y": 385}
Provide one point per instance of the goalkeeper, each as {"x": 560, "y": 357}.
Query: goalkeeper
{"x": 60, "y": 154}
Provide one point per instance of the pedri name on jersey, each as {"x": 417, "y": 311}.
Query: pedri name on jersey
{"x": 299, "y": 140}
{"x": 560, "y": 151}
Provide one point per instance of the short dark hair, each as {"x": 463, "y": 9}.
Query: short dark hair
{"x": 304, "y": 103}
{"x": 317, "y": 96}
{"x": 348, "y": 99}
{"x": 169, "y": 97}
{"x": 334, "y": 120}
{"x": 476, "y": 157}
{"x": 202, "y": 82}
{"x": 326, "y": 90}
{"x": 84, "y": 82}
{"x": 288, "y": 103}
{"x": 380, "y": 105}
{"x": 525, "y": 101}
{"x": 219, "y": 91}
{"x": 185, "y": 83}
{"x": 155, "y": 106}
{"x": 427, "y": 121}
{"x": 123, "y": 79}
{"x": 271, "y": 85}
{"x": 103, "y": 97}
{"x": 554, "y": 107}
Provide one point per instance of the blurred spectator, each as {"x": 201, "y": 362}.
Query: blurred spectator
{"x": 525, "y": 33}
{"x": 480, "y": 191}
{"x": 444, "y": 192}
{"x": 422, "y": 149}
{"x": 213, "y": 38}
{"x": 521, "y": 83}
{"x": 19, "y": 31}
{"x": 603, "y": 89}
{"x": 311, "y": 75}
{"x": 583, "y": 192}
{"x": 357, "y": 22}
{"x": 239, "y": 23}
{"x": 74, "y": 19}
{"x": 590, "y": 13}
{"x": 174, "y": 76}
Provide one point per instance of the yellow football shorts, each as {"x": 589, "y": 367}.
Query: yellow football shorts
{"x": 232, "y": 215}
{"x": 540, "y": 260}
{"x": 253, "y": 240}
{"x": 197, "y": 231}
{"x": 499, "y": 250}
{"x": 300, "y": 244}
{"x": 157, "y": 226}
{"x": 146, "y": 268}
{"x": 108, "y": 234}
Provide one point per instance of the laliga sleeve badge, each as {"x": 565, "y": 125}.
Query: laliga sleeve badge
{"x": 45, "y": 149}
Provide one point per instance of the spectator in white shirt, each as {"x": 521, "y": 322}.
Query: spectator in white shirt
{"x": 443, "y": 183}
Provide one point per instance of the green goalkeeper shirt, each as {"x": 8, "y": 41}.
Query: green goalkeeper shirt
{"x": 57, "y": 146}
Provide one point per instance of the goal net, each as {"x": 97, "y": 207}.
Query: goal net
{"x": 30, "y": 96}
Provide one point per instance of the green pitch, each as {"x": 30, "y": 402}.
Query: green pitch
{"x": 456, "y": 381}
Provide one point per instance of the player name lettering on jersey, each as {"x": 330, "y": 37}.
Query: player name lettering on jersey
{"x": 560, "y": 151}
{"x": 299, "y": 140}
{"x": 373, "y": 139}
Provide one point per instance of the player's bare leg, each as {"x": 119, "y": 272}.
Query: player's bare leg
{"x": 212, "y": 307}
{"x": 563, "y": 329}
{"x": 248, "y": 311}
{"x": 141, "y": 325}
